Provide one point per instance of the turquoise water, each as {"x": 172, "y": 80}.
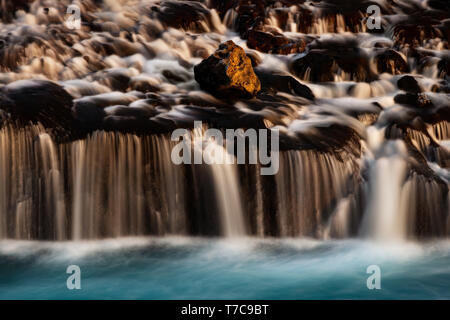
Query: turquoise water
{"x": 199, "y": 268}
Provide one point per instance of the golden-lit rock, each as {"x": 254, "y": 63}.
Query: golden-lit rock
{"x": 228, "y": 73}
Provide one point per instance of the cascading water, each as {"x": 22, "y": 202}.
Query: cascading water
{"x": 224, "y": 177}
{"x": 51, "y": 184}
{"x": 385, "y": 217}
{"x": 308, "y": 186}
{"x": 365, "y": 151}
{"x": 17, "y": 190}
{"x": 92, "y": 188}
{"x": 218, "y": 171}
{"x": 108, "y": 185}
{"x": 112, "y": 185}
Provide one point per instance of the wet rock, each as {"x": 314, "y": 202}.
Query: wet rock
{"x": 126, "y": 124}
{"x": 334, "y": 138}
{"x": 322, "y": 64}
{"x": 251, "y": 14}
{"x": 392, "y": 62}
{"x": 440, "y": 155}
{"x": 88, "y": 115}
{"x": 117, "y": 79}
{"x": 39, "y": 101}
{"x": 271, "y": 82}
{"x": 228, "y": 73}
{"x": 176, "y": 76}
{"x": 108, "y": 99}
{"x": 144, "y": 84}
{"x": 274, "y": 43}
{"x": 126, "y": 111}
{"x": 8, "y": 8}
{"x": 79, "y": 88}
{"x": 22, "y": 46}
{"x": 409, "y": 84}
{"x": 417, "y": 100}
{"x": 150, "y": 29}
{"x": 415, "y": 28}
{"x": 187, "y": 15}
{"x": 222, "y": 6}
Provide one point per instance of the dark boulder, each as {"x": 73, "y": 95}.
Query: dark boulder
{"x": 416, "y": 100}
{"x": 271, "y": 42}
{"x": 409, "y": 84}
{"x": 319, "y": 65}
{"x": 89, "y": 115}
{"x": 271, "y": 82}
{"x": 39, "y": 101}
{"x": 187, "y": 15}
{"x": 127, "y": 124}
{"x": 228, "y": 73}
{"x": 326, "y": 58}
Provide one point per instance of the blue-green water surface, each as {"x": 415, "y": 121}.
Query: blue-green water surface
{"x": 202, "y": 268}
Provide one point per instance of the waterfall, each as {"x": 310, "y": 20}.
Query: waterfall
{"x": 115, "y": 162}
{"x": 221, "y": 170}
{"x": 309, "y": 185}
{"x": 51, "y": 187}
{"x": 17, "y": 191}
{"x": 362, "y": 115}
{"x": 107, "y": 185}
{"x": 227, "y": 196}
{"x": 384, "y": 218}
{"x": 339, "y": 225}
{"x": 123, "y": 184}
{"x": 401, "y": 204}
{"x": 113, "y": 185}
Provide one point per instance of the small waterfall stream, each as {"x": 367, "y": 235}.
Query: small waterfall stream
{"x": 51, "y": 186}
{"x": 226, "y": 185}
{"x": 308, "y": 186}
{"x": 386, "y": 218}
